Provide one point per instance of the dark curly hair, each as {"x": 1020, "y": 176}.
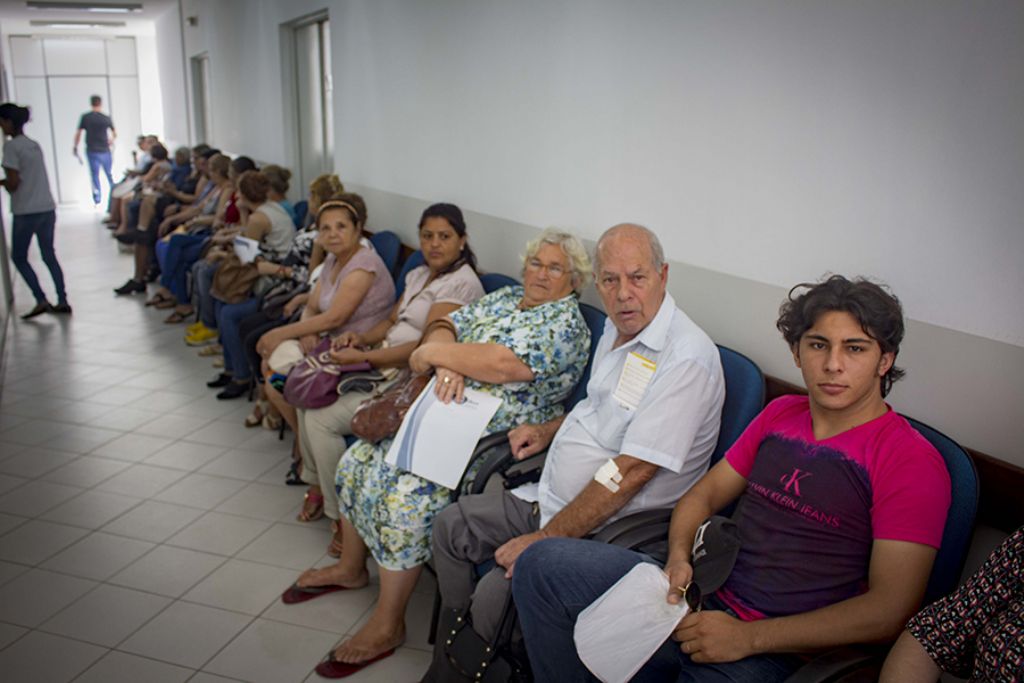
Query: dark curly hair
{"x": 876, "y": 309}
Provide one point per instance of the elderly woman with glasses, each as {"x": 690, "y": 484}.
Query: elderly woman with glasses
{"x": 526, "y": 345}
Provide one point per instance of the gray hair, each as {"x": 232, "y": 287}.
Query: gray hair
{"x": 579, "y": 260}
{"x": 657, "y": 253}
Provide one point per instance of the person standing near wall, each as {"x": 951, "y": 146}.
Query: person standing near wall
{"x": 97, "y": 144}
{"x": 33, "y": 208}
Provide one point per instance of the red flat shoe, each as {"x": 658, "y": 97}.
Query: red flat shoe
{"x": 332, "y": 668}
{"x": 296, "y": 593}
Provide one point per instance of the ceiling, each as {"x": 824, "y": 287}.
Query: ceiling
{"x": 15, "y": 17}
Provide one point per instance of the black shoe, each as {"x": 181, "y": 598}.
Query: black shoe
{"x": 64, "y": 308}
{"x": 153, "y": 274}
{"x": 126, "y": 237}
{"x": 131, "y": 287}
{"x": 221, "y": 381}
{"x": 41, "y": 307}
{"x": 234, "y": 390}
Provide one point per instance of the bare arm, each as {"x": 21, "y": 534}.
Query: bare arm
{"x": 257, "y": 227}
{"x": 491, "y": 363}
{"x": 351, "y": 291}
{"x": 908, "y": 662}
{"x": 390, "y": 357}
{"x": 12, "y": 181}
{"x": 78, "y": 139}
{"x": 593, "y": 505}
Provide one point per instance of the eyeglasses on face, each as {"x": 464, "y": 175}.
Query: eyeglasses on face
{"x": 554, "y": 270}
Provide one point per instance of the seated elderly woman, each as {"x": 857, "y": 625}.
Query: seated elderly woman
{"x": 446, "y": 281}
{"x": 526, "y": 345}
{"x": 353, "y": 294}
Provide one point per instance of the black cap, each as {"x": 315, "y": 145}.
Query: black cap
{"x": 715, "y": 547}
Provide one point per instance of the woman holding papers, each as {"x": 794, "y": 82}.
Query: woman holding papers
{"x": 525, "y": 345}
{"x": 445, "y": 282}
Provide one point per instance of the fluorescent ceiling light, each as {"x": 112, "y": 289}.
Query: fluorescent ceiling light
{"x": 110, "y": 7}
{"x": 78, "y": 24}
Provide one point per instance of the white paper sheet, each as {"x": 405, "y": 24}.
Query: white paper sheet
{"x": 246, "y": 249}
{"x": 620, "y": 630}
{"x": 436, "y": 441}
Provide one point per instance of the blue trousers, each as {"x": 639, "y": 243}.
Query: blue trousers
{"x": 98, "y": 160}
{"x": 202, "y": 284}
{"x": 176, "y": 258}
{"x": 556, "y": 579}
{"x": 41, "y": 225}
{"x": 229, "y": 319}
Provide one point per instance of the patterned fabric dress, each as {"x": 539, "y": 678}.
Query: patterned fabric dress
{"x": 393, "y": 509}
{"x": 978, "y": 630}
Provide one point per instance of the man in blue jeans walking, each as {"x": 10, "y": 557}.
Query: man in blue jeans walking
{"x": 96, "y": 125}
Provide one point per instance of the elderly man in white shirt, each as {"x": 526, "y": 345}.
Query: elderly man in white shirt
{"x": 653, "y": 407}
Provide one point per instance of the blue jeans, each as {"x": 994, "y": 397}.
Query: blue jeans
{"x": 202, "y": 284}
{"x": 556, "y": 579}
{"x": 229, "y": 318}
{"x": 42, "y": 226}
{"x": 176, "y": 257}
{"x": 99, "y": 160}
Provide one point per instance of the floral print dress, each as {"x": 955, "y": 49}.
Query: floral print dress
{"x": 393, "y": 509}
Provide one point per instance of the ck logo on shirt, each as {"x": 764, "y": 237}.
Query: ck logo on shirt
{"x": 791, "y": 482}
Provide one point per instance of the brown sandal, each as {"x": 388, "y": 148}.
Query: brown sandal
{"x": 177, "y": 317}
{"x": 312, "y": 507}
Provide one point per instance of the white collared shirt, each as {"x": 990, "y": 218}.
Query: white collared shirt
{"x": 674, "y": 426}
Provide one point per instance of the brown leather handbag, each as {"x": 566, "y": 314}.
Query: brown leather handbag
{"x": 379, "y": 417}
{"x": 233, "y": 281}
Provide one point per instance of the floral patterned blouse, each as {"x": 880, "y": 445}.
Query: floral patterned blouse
{"x": 552, "y": 339}
{"x": 978, "y": 631}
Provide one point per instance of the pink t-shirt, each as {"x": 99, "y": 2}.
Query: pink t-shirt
{"x": 813, "y": 508}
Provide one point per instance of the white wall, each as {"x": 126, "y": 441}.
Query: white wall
{"x": 171, "y": 77}
{"x": 767, "y": 143}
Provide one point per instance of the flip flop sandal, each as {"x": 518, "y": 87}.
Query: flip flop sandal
{"x": 177, "y": 317}
{"x": 332, "y": 668}
{"x": 165, "y": 304}
{"x": 312, "y": 507}
{"x": 255, "y": 418}
{"x": 211, "y": 350}
{"x": 158, "y": 299}
{"x": 296, "y": 593}
{"x": 271, "y": 422}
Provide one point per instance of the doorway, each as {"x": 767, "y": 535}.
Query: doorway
{"x": 312, "y": 94}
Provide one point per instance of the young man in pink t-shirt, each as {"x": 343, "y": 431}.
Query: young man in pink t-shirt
{"x": 841, "y": 510}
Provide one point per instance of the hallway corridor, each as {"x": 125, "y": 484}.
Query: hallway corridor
{"x": 145, "y": 533}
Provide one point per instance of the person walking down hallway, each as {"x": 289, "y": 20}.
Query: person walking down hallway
{"x": 97, "y": 144}
{"x": 32, "y": 206}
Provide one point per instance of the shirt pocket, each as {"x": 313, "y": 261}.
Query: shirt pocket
{"x": 612, "y": 420}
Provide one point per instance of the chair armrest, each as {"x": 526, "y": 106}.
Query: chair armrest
{"x": 493, "y": 449}
{"x": 637, "y": 529}
{"x": 844, "y": 664}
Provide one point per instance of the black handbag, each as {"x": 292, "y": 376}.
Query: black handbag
{"x": 494, "y": 661}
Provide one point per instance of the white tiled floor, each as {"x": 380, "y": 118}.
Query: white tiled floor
{"x": 145, "y": 533}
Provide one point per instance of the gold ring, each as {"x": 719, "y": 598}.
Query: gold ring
{"x": 447, "y": 380}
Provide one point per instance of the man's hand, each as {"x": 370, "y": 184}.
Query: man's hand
{"x": 679, "y": 574}
{"x": 508, "y": 553}
{"x": 714, "y": 637}
{"x": 528, "y": 439}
